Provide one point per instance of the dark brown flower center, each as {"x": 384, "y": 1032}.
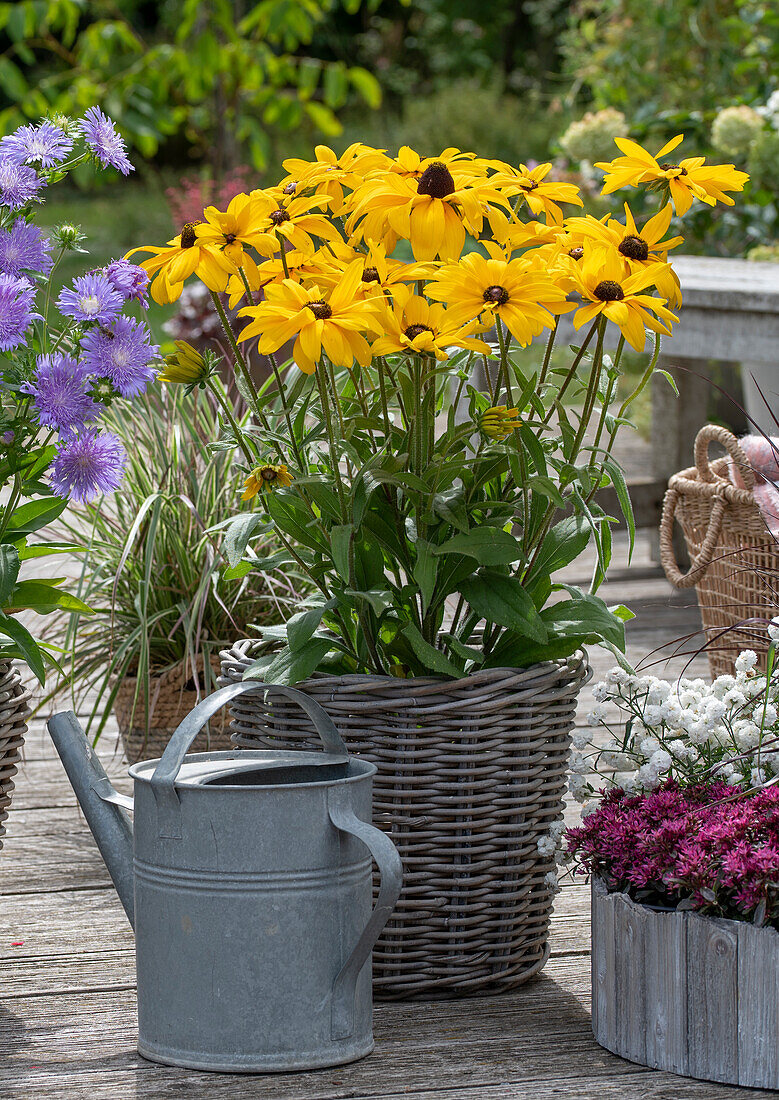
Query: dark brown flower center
{"x": 229, "y": 238}
{"x": 436, "y": 181}
{"x": 416, "y": 330}
{"x": 291, "y": 187}
{"x": 576, "y": 253}
{"x": 609, "y": 291}
{"x": 320, "y": 309}
{"x": 188, "y": 235}
{"x": 497, "y": 295}
{"x": 528, "y": 185}
{"x": 635, "y": 248}
{"x": 279, "y": 216}
{"x": 268, "y": 473}
{"x": 370, "y": 275}
{"x": 672, "y": 167}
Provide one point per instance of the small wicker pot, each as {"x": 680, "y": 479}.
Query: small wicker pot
{"x": 14, "y": 712}
{"x": 471, "y": 773}
{"x": 171, "y": 697}
{"x": 733, "y": 554}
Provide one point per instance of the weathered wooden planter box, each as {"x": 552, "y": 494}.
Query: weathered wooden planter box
{"x": 682, "y": 992}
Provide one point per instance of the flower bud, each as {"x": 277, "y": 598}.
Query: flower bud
{"x": 499, "y": 422}
{"x": 186, "y": 366}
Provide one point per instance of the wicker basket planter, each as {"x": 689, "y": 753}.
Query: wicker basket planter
{"x": 14, "y": 712}
{"x": 171, "y": 697}
{"x": 679, "y": 991}
{"x": 733, "y": 554}
{"x": 471, "y": 774}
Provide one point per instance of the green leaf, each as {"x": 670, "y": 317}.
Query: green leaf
{"x": 562, "y": 545}
{"x": 25, "y": 643}
{"x": 467, "y": 652}
{"x": 503, "y": 600}
{"x": 433, "y": 658}
{"x": 379, "y": 598}
{"x": 623, "y": 496}
{"x": 41, "y": 597}
{"x": 425, "y": 570}
{"x": 9, "y": 571}
{"x": 290, "y": 668}
{"x": 489, "y": 545}
{"x": 586, "y": 616}
{"x": 451, "y": 507}
{"x": 303, "y": 624}
{"x": 340, "y": 540}
{"x": 33, "y": 516}
{"x": 669, "y": 379}
{"x": 237, "y": 572}
{"x": 238, "y": 534}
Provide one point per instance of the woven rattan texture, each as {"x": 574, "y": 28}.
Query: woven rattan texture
{"x": 735, "y": 559}
{"x": 171, "y": 698}
{"x": 14, "y": 712}
{"x": 471, "y": 773}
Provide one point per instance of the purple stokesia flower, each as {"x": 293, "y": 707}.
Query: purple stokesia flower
{"x": 61, "y": 394}
{"x": 101, "y": 137}
{"x": 91, "y": 299}
{"x": 46, "y": 144}
{"x": 24, "y": 248}
{"x": 17, "y": 297}
{"x": 19, "y": 184}
{"x": 131, "y": 281}
{"x": 88, "y": 465}
{"x": 123, "y": 354}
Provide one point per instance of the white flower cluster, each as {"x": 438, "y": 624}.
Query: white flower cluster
{"x": 689, "y": 730}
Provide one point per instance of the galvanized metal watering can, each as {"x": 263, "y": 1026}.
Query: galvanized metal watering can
{"x": 247, "y": 880}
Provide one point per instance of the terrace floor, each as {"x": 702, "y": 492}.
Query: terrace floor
{"x": 67, "y": 993}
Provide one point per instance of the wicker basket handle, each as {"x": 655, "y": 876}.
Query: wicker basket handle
{"x": 703, "y": 560}
{"x": 712, "y": 433}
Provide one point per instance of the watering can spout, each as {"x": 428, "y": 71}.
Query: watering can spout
{"x": 104, "y": 808}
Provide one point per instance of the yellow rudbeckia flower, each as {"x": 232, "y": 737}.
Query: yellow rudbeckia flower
{"x": 185, "y": 255}
{"x": 524, "y": 297}
{"x": 234, "y": 229}
{"x": 433, "y": 211}
{"x": 689, "y": 179}
{"x": 541, "y": 196}
{"x": 333, "y": 324}
{"x": 296, "y": 221}
{"x": 601, "y": 282}
{"x": 637, "y": 248}
{"x": 424, "y": 328}
{"x": 266, "y": 478}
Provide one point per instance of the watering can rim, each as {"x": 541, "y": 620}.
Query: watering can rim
{"x": 195, "y": 774}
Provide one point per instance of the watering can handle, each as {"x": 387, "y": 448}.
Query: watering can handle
{"x": 164, "y": 777}
{"x": 390, "y": 867}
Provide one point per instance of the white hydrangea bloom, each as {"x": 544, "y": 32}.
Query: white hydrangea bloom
{"x": 550, "y": 880}
{"x": 601, "y": 692}
{"x": 618, "y": 677}
{"x": 773, "y": 626}
{"x": 580, "y": 739}
{"x": 757, "y": 777}
{"x": 653, "y": 714}
{"x": 734, "y": 698}
{"x": 722, "y": 685}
